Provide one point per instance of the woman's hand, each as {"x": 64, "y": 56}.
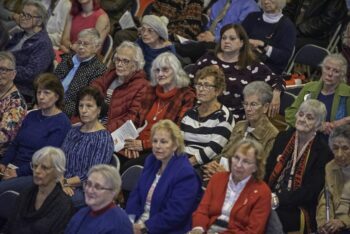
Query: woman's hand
{"x": 274, "y": 107}
{"x": 327, "y": 127}
{"x": 131, "y": 153}
{"x": 256, "y": 43}
{"x": 68, "y": 190}
{"x": 211, "y": 168}
{"x": 206, "y": 36}
{"x": 195, "y": 231}
{"x": 9, "y": 173}
{"x": 332, "y": 226}
{"x": 2, "y": 168}
{"x": 137, "y": 228}
{"x": 132, "y": 144}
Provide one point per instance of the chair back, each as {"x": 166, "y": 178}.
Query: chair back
{"x": 107, "y": 49}
{"x": 8, "y": 201}
{"x": 130, "y": 177}
{"x": 274, "y": 225}
{"x": 115, "y": 162}
{"x": 287, "y": 100}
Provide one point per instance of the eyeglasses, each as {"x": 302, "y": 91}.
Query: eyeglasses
{"x": 83, "y": 43}
{"x": 87, "y": 184}
{"x": 27, "y": 16}
{"x": 121, "y": 61}
{"x": 205, "y": 87}
{"x": 244, "y": 162}
{"x": 4, "y": 70}
{"x": 35, "y": 166}
{"x": 253, "y": 105}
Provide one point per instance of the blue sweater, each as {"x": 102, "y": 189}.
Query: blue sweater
{"x": 112, "y": 221}
{"x": 36, "y": 132}
{"x": 175, "y": 197}
{"x": 84, "y": 150}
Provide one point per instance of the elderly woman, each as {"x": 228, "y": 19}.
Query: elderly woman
{"x": 43, "y": 208}
{"x": 83, "y": 15}
{"x": 123, "y": 87}
{"x": 46, "y": 126}
{"x": 295, "y": 168}
{"x": 12, "y": 105}
{"x": 237, "y": 201}
{"x": 272, "y": 34}
{"x": 207, "y": 127}
{"x": 333, "y": 209}
{"x": 256, "y": 126}
{"x": 154, "y": 39}
{"x": 102, "y": 215}
{"x": 169, "y": 99}
{"x": 235, "y": 57}
{"x": 31, "y": 47}
{"x": 331, "y": 90}
{"x": 168, "y": 189}
{"x": 76, "y": 71}
{"x": 86, "y": 145}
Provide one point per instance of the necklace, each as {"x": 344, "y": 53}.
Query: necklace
{"x": 159, "y": 110}
{"x": 7, "y": 91}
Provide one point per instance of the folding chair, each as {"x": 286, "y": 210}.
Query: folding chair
{"x": 115, "y": 162}
{"x": 333, "y": 43}
{"x": 107, "y": 49}
{"x": 130, "y": 177}
{"x": 8, "y": 201}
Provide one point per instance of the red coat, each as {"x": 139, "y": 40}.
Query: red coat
{"x": 126, "y": 99}
{"x": 249, "y": 214}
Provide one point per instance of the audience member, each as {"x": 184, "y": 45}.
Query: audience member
{"x": 102, "y": 215}
{"x": 271, "y": 34}
{"x": 295, "y": 168}
{"x": 86, "y": 145}
{"x": 47, "y": 126}
{"x": 76, "y": 71}
{"x": 83, "y": 15}
{"x": 316, "y": 20}
{"x": 237, "y": 201}
{"x": 170, "y": 98}
{"x": 124, "y": 87}
{"x": 12, "y": 105}
{"x": 43, "y": 208}
{"x": 236, "y": 58}
{"x": 168, "y": 189}
{"x": 333, "y": 208}
{"x": 331, "y": 89}
{"x": 32, "y": 48}
{"x": 207, "y": 127}
{"x": 154, "y": 39}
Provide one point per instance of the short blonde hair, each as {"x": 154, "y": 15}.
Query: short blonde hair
{"x": 111, "y": 175}
{"x": 175, "y": 133}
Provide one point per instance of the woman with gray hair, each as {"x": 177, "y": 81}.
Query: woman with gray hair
{"x": 169, "y": 98}
{"x": 44, "y": 207}
{"x": 272, "y": 34}
{"x": 331, "y": 89}
{"x": 124, "y": 86}
{"x": 295, "y": 168}
{"x": 102, "y": 215}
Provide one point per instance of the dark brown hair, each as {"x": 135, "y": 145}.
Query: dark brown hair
{"x": 51, "y": 82}
{"x": 215, "y": 72}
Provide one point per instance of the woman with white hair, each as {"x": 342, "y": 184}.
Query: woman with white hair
{"x": 44, "y": 207}
{"x": 295, "y": 169}
{"x": 272, "y": 34}
{"x": 331, "y": 89}
{"x": 124, "y": 86}
{"x": 169, "y": 98}
{"x": 154, "y": 39}
{"x": 102, "y": 215}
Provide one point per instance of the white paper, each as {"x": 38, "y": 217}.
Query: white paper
{"x": 183, "y": 40}
{"x": 224, "y": 163}
{"x": 126, "y": 21}
{"x": 126, "y": 131}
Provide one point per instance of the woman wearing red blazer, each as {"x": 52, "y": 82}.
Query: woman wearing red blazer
{"x": 237, "y": 201}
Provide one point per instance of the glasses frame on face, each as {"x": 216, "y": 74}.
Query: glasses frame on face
{"x": 244, "y": 162}
{"x": 83, "y": 43}
{"x": 34, "y": 166}
{"x": 27, "y": 16}
{"x": 204, "y": 86}
{"x": 5, "y": 70}
{"x": 124, "y": 62}
{"x": 253, "y": 105}
{"x": 96, "y": 187}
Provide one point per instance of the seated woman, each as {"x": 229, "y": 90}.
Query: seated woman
{"x": 12, "y": 105}
{"x": 331, "y": 89}
{"x": 170, "y": 98}
{"x": 31, "y": 47}
{"x": 208, "y": 126}
{"x": 168, "y": 189}
{"x": 47, "y": 126}
{"x": 235, "y": 57}
{"x": 237, "y": 201}
{"x": 78, "y": 70}
{"x": 86, "y": 145}
{"x": 295, "y": 168}
{"x": 333, "y": 215}
{"x": 124, "y": 87}
{"x": 257, "y": 126}
{"x": 154, "y": 39}
{"x": 272, "y": 34}
{"x": 43, "y": 208}
{"x": 102, "y": 215}
{"x": 83, "y": 15}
